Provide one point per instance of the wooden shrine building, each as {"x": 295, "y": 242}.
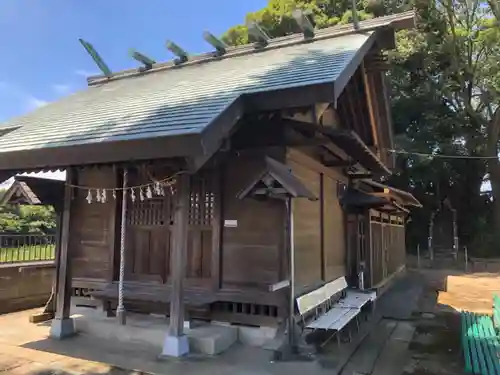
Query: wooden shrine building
{"x": 175, "y": 172}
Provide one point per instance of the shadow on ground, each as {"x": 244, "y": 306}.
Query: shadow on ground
{"x": 436, "y": 344}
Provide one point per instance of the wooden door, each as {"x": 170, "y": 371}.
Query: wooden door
{"x": 148, "y": 239}
{"x": 201, "y": 216}
{"x": 149, "y": 226}
{"x": 385, "y": 249}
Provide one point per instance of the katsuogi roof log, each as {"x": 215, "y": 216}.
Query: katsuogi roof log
{"x": 188, "y": 110}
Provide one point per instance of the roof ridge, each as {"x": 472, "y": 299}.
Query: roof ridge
{"x": 275, "y": 43}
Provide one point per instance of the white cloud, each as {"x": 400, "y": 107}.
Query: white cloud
{"x": 34, "y": 103}
{"x": 29, "y": 101}
{"x": 61, "y": 88}
{"x": 85, "y": 73}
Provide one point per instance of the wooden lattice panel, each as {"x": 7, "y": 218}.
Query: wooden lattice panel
{"x": 150, "y": 212}
{"x": 201, "y": 208}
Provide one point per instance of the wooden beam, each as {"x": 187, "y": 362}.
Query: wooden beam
{"x": 357, "y": 176}
{"x": 216, "y": 268}
{"x": 341, "y": 163}
{"x": 178, "y": 258}
{"x": 279, "y": 285}
{"x": 369, "y": 100}
{"x": 322, "y": 226}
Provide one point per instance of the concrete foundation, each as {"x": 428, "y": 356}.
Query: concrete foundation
{"x": 175, "y": 346}
{"x": 62, "y": 328}
{"x": 256, "y": 336}
{"x": 151, "y": 331}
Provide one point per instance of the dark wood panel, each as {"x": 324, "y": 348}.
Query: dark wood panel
{"x": 334, "y": 232}
{"x": 92, "y": 226}
{"x": 307, "y": 229}
{"x": 251, "y": 250}
{"x": 251, "y": 265}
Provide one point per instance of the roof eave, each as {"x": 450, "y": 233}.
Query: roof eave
{"x": 185, "y": 145}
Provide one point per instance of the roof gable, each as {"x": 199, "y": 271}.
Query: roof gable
{"x": 200, "y": 102}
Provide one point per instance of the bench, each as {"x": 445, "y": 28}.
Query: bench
{"x": 481, "y": 342}
{"x": 329, "y": 312}
{"x": 496, "y": 312}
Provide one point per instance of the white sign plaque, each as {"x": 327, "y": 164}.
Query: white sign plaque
{"x": 231, "y": 223}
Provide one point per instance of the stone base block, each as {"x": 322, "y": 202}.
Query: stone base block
{"x": 62, "y": 328}
{"x": 256, "y": 336}
{"x": 175, "y": 346}
{"x": 212, "y": 339}
{"x": 41, "y": 317}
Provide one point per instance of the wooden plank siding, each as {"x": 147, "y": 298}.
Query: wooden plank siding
{"x": 320, "y": 237}
{"x": 307, "y": 230}
{"x": 252, "y": 251}
{"x": 92, "y": 226}
{"x": 334, "y": 232}
{"x": 387, "y": 246}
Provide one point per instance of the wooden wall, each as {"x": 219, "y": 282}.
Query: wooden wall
{"x": 334, "y": 230}
{"x": 320, "y": 247}
{"x": 252, "y": 251}
{"x": 388, "y": 248}
{"x": 92, "y": 227}
{"x": 307, "y": 229}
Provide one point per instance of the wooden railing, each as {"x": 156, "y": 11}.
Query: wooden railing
{"x": 21, "y": 248}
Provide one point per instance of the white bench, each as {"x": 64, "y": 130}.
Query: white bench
{"x": 329, "y": 314}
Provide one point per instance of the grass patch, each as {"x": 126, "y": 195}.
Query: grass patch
{"x": 27, "y": 253}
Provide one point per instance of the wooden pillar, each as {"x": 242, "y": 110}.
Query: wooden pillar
{"x": 176, "y": 343}
{"x": 217, "y": 185}
{"x": 62, "y": 324}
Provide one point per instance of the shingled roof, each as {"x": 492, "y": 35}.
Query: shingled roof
{"x": 197, "y": 102}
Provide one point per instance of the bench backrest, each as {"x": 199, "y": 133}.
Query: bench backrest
{"x": 310, "y": 301}
{"x": 496, "y": 311}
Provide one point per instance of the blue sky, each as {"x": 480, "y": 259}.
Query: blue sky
{"x": 42, "y": 59}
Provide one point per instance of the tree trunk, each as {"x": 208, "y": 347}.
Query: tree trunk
{"x": 494, "y": 165}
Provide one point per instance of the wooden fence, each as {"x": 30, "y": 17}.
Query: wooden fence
{"x": 22, "y": 248}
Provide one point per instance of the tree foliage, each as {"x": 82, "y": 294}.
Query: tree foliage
{"x": 445, "y": 79}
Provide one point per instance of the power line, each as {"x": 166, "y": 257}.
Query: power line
{"x": 404, "y": 152}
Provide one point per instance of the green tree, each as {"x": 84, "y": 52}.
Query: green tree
{"x": 276, "y": 18}
{"x": 445, "y": 81}
{"x": 445, "y": 100}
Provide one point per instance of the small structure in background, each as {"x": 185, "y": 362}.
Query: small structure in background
{"x": 26, "y": 248}
{"x": 151, "y": 215}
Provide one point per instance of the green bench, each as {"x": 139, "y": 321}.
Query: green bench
{"x": 496, "y": 312}
{"x": 481, "y": 341}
